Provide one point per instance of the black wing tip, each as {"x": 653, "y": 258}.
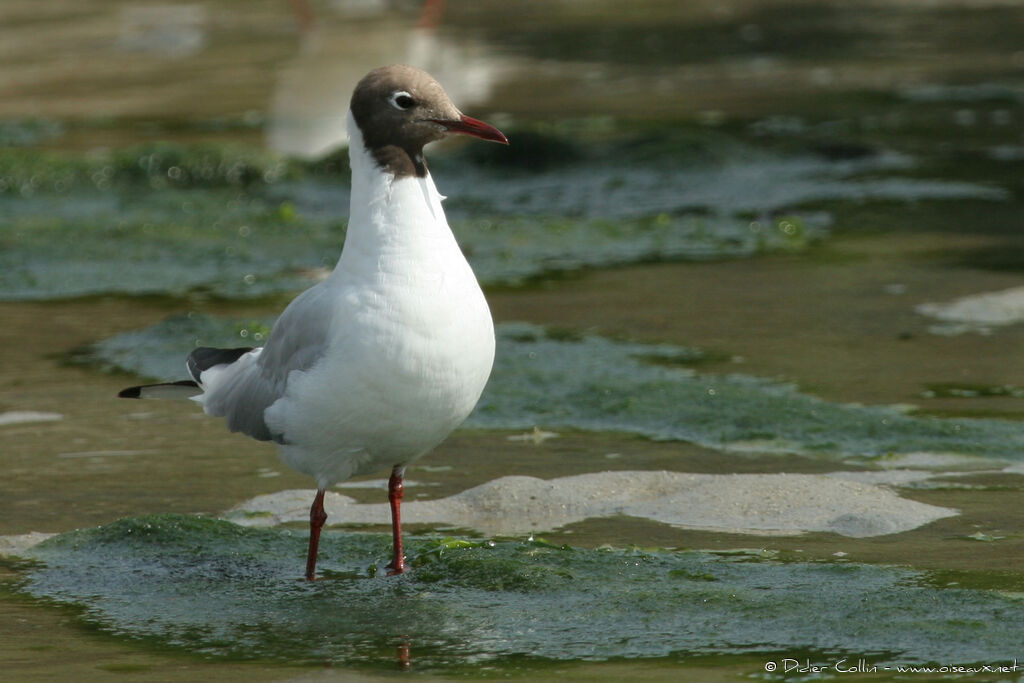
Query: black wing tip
{"x": 137, "y": 392}
{"x": 205, "y": 357}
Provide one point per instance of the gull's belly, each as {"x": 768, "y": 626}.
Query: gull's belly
{"x": 406, "y": 368}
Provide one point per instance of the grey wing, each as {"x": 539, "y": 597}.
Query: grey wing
{"x": 242, "y": 390}
{"x": 300, "y": 336}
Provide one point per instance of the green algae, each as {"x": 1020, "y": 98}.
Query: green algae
{"x": 593, "y": 383}
{"x": 220, "y": 590}
{"x": 746, "y": 179}
{"x": 29, "y": 132}
{"x": 157, "y": 165}
{"x": 510, "y": 251}
{"x": 214, "y": 241}
{"x": 239, "y": 222}
{"x": 604, "y": 385}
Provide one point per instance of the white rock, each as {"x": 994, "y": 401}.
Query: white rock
{"x": 763, "y": 504}
{"x": 977, "y": 312}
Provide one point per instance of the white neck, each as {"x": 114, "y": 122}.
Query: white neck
{"x": 388, "y": 215}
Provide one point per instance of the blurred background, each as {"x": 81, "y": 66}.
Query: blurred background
{"x": 106, "y": 72}
{"x": 808, "y": 214}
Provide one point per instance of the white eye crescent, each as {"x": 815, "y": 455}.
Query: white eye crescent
{"x": 401, "y": 100}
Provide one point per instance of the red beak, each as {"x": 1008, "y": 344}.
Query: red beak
{"x": 478, "y": 129}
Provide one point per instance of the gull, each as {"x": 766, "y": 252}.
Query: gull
{"x": 376, "y": 365}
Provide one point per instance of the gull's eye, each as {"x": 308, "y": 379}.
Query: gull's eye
{"x": 402, "y": 100}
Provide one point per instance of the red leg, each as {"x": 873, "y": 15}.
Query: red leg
{"x": 395, "y": 491}
{"x": 317, "y": 517}
{"x": 404, "y": 658}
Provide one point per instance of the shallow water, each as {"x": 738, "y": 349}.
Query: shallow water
{"x": 756, "y": 238}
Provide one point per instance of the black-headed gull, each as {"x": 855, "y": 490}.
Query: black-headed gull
{"x": 377, "y": 364}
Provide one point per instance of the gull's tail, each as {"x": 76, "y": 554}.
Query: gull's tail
{"x": 203, "y": 358}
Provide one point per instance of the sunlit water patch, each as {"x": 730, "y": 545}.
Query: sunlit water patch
{"x": 980, "y": 313}
{"x": 588, "y": 382}
{"x": 220, "y": 590}
{"x": 239, "y": 222}
{"x": 17, "y": 417}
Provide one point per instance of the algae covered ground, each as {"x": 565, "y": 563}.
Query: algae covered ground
{"x": 213, "y": 588}
{"x": 579, "y": 381}
{"x": 756, "y": 407}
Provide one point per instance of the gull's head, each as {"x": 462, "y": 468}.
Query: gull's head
{"x": 403, "y": 108}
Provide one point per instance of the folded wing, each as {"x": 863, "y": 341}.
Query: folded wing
{"x": 240, "y": 384}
